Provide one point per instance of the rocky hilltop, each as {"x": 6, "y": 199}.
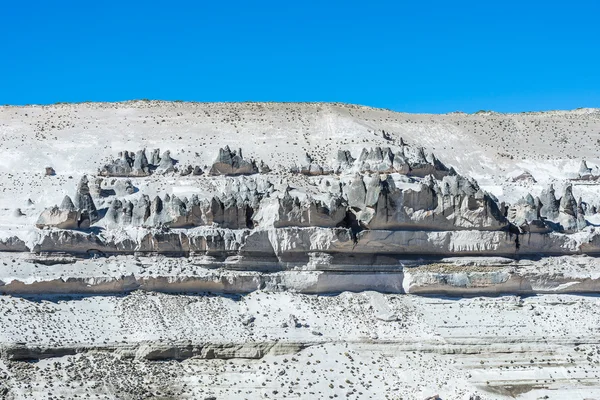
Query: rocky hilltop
{"x": 291, "y": 201}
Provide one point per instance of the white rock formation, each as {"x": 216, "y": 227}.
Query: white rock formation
{"x": 201, "y": 259}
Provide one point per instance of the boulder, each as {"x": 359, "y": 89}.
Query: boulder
{"x": 54, "y": 217}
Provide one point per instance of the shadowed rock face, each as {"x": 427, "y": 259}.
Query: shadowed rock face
{"x": 140, "y": 165}
{"x": 83, "y": 200}
{"x": 563, "y": 215}
{"x": 400, "y": 193}
{"x": 454, "y": 203}
{"x": 550, "y": 205}
{"x": 232, "y": 163}
{"x": 406, "y": 161}
{"x": 570, "y": 217}
{"x": 67, "y": 204}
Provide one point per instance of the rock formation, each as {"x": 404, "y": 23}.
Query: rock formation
{"x": 130, "y": 164}
{"x": 78, "y": 214}
{"x": 405, "y": 161}
{"x": 584, "y": 171}
{"x": 570, "y": 217}
{"x": 83, "y": 200}
{"x": 167, "y": 264}
{"x": 232, "y": 163}
{"x": 55, "y": 217}
{"x": 166, "y": 164}
{"x": 312, "y": 168}
{"x": 453, "y": 203}
{"x": 550, "y": 205}
{"x": 526, "y": 215}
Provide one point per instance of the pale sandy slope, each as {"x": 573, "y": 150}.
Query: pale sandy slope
{"x": 78, "y": 137}
{"x": 359, "y": 346}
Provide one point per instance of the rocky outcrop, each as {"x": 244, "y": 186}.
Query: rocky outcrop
{"x": 584, "y": 171}
{"x": 344, "y": 160}
{"x": 526, "y": 215}
{"x": 65, "y": 216}
{"x": 386, "y": 201}
{"x": 312, "y": 168}
{"x": 376, "y": 160}
{"x": 78, "y": 214}
{"x": 230, "y": 212}
{"x": 122, "y": 166}
{"x": 119, "y": 214}
{"x": 84, "y": 203}
{"x": 13, "y": 243}
{"x": 550, "y": 205}
{"x": 232, "y": 163}
{"x": 55, "y": 217}
{"x": 524, "y": 177}
{"x": 570, "y": 218}
{"x": 454, "y": 202}
{"x": 166, "y": 164}
{"x": 140, "y": 166}
{"x": 130, "y": 164}
{"x": 288, "y": 210}
{"x": 405, "y": 161}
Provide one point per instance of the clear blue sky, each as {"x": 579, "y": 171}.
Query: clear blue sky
{"x": 418, "y": 56}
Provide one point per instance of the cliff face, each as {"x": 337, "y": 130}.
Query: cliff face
{"x": 345, "y": 181}
{"x": 293, "y": 201}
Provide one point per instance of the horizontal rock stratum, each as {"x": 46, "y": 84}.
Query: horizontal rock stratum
{"x": 270, "y": 250}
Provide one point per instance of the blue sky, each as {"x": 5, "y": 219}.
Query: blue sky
{"x": 419, "y": 56}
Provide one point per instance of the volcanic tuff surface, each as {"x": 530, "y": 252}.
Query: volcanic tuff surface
{"x": 277, "y": 250}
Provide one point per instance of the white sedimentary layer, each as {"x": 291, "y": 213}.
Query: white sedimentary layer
{"x": 299, "y": 280}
